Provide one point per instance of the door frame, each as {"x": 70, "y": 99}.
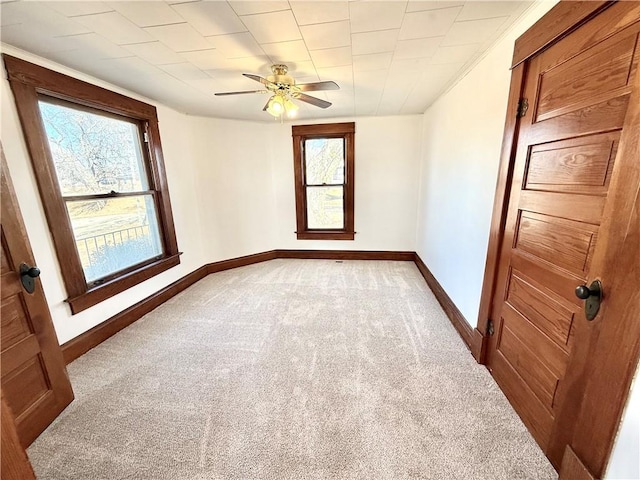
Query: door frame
{"x": 596, "y": 419}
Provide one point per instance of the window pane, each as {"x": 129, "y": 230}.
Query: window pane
{"x": 93, "y": 153}
{"x": 114, "y": 234}
{"x": 325, "y": 207}
{"x": 324, "y": 159}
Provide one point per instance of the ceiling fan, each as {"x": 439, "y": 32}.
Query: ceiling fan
{"x": 284, "y": 89}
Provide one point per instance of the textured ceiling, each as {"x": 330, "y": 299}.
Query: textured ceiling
{"x": 389, "y": 57}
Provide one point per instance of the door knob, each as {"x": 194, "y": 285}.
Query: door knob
{"x": 592, "y": 296}
{"x": 27, "y": 277}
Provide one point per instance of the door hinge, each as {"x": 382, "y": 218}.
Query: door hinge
{"x": 490, "y": 328}
{"x": 146, "y": 137}
{"x": 523, "y": 106}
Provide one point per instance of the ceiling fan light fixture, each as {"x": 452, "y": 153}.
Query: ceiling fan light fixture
{"x": 290, "y": 107}
{"x": 276, "y": 106}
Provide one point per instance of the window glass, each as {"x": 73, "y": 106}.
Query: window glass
{"x": 114, "y": 234}
{"x": 324, "y": 161}
{"x": 93, "y": 153}
{"x": 325, "y": 208}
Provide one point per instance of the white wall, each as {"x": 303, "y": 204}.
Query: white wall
{"x": 462, "y": 136}
{"x": 175, "y": 131}
{"x": 387, "y": 161}
{"x": 235, "y": 187}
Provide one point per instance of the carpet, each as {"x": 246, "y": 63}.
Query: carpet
{"x": 289, "y": 369}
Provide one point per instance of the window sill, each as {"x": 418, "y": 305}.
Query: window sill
{"x": 325, "y": 235}
{"x": 108, "y": 289}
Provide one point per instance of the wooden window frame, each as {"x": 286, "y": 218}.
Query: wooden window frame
{"x": 28, "y": 83}
{"x": 301, "y": 133}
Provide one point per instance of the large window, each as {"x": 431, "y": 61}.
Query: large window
{"x": 98, "y": 162}
{"x": 324, "y": 175}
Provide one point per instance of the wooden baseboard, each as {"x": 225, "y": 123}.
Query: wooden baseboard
{"x": 81, "y": 344}
{"x": 347, "y": 255}
{"x": 241, "y": 261}
{"x": 472, "y": 338}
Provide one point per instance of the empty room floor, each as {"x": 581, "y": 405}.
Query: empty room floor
{"x": 289, "y": 369}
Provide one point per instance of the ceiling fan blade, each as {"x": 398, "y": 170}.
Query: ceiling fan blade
{"x": 312, "y": 100}
{"x": 315, "y": 86}
{"x": 258, "y": 78}
{"x": 241, "y": 93}
{"x": 266, "y": 105}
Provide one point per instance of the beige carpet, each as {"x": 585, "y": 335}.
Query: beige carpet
{"x": 289, "y": 369}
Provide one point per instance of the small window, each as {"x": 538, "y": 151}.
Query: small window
{"x": 324, "y": 174}
{"x": 98, "y": 163}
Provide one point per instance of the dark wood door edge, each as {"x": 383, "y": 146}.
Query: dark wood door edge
{"x": 473, "y": 339}
{"x": 561, "y": 20}
{"x": 14, "y": 462}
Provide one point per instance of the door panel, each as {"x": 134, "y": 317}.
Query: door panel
{"x": 35, "y": 384}
{"x": 579, "y": 91}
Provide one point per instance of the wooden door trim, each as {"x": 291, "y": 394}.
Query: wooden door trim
{"x": 561, "y": 20}
{"x": 500, "y": 202}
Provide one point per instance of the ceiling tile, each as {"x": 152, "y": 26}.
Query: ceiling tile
{"x": 420, "y": 5}
{"x": 418, "y": 48}
{"x": 205, "y": 59}
{"x": 302, "y": 69}
{"x": 307, "y": 12}
{"x": 456, "y": 54}
{"x": 130, "y": 69}
{"x": 251, "y": 8}
{"x": 236, "y": 45}
{"x": 473, "y": 31}
{"x": 184, "y": 71}
{"x": 430, "y": 23}
{"x": 273, "y": 27}
{"x": 331, "y": 57}
{"x": 327, "y": 35}
{"x": 72, "y": 9}
{"x": 35, "y": 41}
{"x": 234, "y": 67}
{"x": 211, "y": 18}
{"x": 38, "y": 17}
{"x": 370, "y": 16}
{"x": 147, "y": 14}
{"x": 156, "y": 53}
{"x": 343, "y": 76}
{"x": 480, "y": 9}
{"x": 376, "y": 61}
{"x": 284, "y": 52}
{"x": 410, "y": 64}
{"x": 115, "y": 27}
{"x": 93, "y": 46}
{"x": 180, "y": 37}
{"x": 374, "y": 42}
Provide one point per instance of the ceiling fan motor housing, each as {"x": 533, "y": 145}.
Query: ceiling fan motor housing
{"x": 280, "y": 75}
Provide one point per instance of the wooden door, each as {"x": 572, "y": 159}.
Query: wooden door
{"x": 35, "y": 384}
{"x": 583, "y": 101}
